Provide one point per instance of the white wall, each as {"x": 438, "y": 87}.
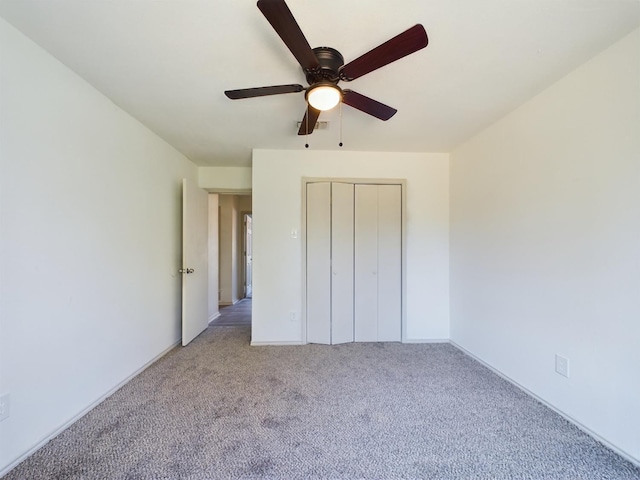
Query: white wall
{"x": 225, "y": 179}
{"x": 212, "y": 241}
{"x": 545, "y": 244}
{"x": 90, "y": 211}
{"x": 244, "y": 203}
{"x": 277, "y": 209}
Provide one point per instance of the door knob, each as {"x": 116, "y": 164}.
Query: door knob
{"x": 186, "y": 270}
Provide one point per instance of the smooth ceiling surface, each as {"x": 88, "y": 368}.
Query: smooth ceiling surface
{"x": 167, "y": 63}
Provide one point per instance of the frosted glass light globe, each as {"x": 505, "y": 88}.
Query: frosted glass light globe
{"x": 324, "y": 97}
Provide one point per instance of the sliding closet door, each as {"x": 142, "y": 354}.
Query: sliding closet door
{"x": 341, "y": 263}
{"x": 378, "y": 263}
{"x": 318, "y": 262}
{"x": 389, "y": 263}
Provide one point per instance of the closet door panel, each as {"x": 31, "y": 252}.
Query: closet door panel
{"x": 318, "y": 231}
{"x": 366, "y": 263}
{"x": 341, "y": 262}
{"x": 389, "y": 263}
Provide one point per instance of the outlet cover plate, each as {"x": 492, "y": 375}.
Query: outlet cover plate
{"x": 5, "y": 406}
{"x": 562, "y": 365}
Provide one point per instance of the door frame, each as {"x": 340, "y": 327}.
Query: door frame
{"x": 303, "y": 237}
{"x": 222, "y": 191}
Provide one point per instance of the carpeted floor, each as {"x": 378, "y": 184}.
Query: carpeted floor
{"x": 220, "y": 409}
{"x": 238, "y": 314}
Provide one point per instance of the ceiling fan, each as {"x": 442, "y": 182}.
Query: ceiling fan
{"x": 324, "y": 67}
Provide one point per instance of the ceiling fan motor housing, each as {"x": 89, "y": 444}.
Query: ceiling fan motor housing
{"x": 330, "y": 61}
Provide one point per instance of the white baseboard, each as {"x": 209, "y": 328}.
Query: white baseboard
{"x": 413, "y": 340}
{"x": 410, "y": 340}
{"x": 232, "y": 302}
{"x": 213, "y": 317}
{"x": 425, "y": 340}
{"x": 567, "y": 417}
{"x": 77, "y": 417}
{"x": 228, "y": 304}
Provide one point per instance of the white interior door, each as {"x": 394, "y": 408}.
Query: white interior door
{"x": 389, "y": 263}
{"x": 378, "y": 263}
{"x": 366, "y": 263}
{"x": 318, "y": 288}
{"x": 341, "y": 263}
{"x": 248, "y": 256}
{"x": 194, "y": 270}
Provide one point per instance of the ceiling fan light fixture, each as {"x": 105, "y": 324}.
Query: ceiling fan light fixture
{"x": 324, "y": 96}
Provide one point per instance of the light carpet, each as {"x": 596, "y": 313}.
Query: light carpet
{"x": 220, "y": 409}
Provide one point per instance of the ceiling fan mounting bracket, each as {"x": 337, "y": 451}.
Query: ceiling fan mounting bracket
{"x": 330, "y": 61}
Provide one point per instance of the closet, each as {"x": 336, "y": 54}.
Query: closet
{"x": 353, "y": 262}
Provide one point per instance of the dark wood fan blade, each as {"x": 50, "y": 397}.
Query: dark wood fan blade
{"x": 282, "y": 21}
{"x": 399, "y": 46}
{"x": 368, "y": 105}
{"x": 310, "y": 119}
{"x": 262, "y": 91}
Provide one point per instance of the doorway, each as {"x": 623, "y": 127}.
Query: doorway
{"x": 232, "y": 246}
{"x": 233, "y": 209}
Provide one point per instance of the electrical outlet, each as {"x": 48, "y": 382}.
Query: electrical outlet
{"x": 5, "y": 406}
{"x": 292, "y": 316}
{"x": 562, "y": 366}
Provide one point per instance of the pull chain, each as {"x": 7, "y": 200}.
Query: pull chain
{"x": 306, "y": 132}
{"x": 340, "y": 144}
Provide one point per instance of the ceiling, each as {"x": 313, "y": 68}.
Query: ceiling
{"x": 167, "y": 63}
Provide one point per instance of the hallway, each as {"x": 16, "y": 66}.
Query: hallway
{"x": 235, "y": 315}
